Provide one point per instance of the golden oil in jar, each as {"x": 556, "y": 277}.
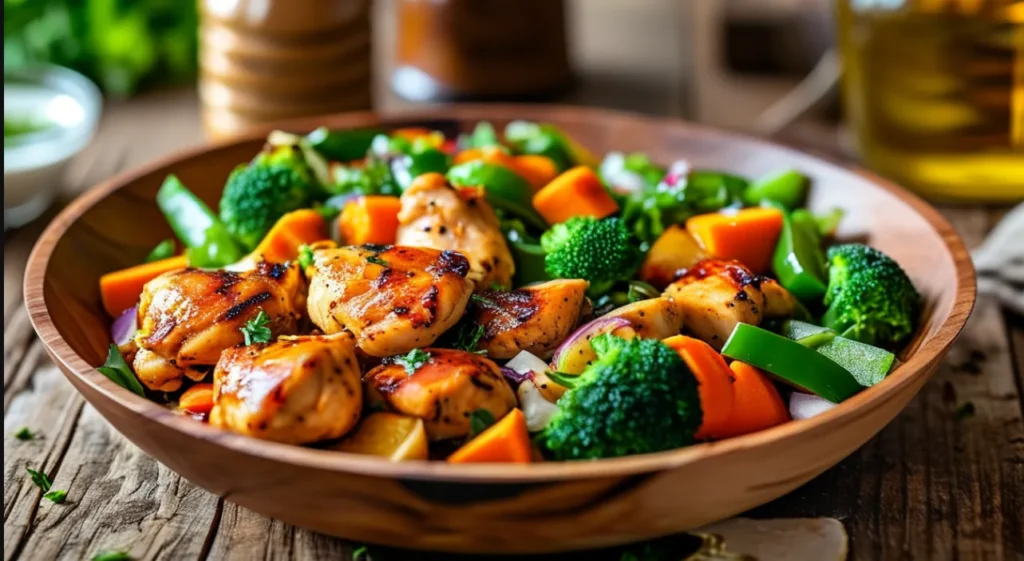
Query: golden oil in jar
{"x": 934, "y": 93}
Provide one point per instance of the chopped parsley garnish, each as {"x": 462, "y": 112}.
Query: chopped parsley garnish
{"x": 376, "y": 261}
{"x": 305, "y": 256}
{"x": 40, "y": 479}
{"x": 468, "y": 338}
{"x": 359, "y": 553}
{"x": 163, "y": 250}
{"x": 479, "y": 420}
{"x": 483, "y": 300}
{"x": 964, "y": 410}
{"x": 495, "y": 287}
{"x": 120, "y": 373}
{"x": 414, "y": 360}
{"x": 57, "y": 496}
{"x": 24, "y": 434}
{"x": 257, "y": 329}
{"x": 112, "y": 556}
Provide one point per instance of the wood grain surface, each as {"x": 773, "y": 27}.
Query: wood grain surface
{"x": 929, "y": 486}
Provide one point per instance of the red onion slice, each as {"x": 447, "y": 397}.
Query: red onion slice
{"x": 581, "y": 338}
{"x": 125, "y": 326}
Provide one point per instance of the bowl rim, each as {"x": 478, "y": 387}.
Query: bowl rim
{"x": 929, "y": 351}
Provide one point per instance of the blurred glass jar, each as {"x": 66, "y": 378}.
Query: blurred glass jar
{"x": 262, "y": 61}
{"x": 934, "y": 93}
{"x": 479, "y": 50}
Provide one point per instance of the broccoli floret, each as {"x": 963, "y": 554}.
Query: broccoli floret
{"x": 869, "y": 297}
{"x": 600, "y": 251}
{"x": 637, "y": 397}
{"x": 258, "y": 193}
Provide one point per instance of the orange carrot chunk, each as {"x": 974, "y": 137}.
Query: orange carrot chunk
{"x": 370, "y": 219}
{"x": 290, "y": 232}
{"x": 120, "y": 290}
{"x": 537, "y": 170}
{"x": 197, "y": 400}
{"x": 714, "y": 380}
{"x": 747, "y": 235}
{"x": 576, "y": 192}
{"x": 507, "y": 441}
{"x": 756, "y": 406}
{"x": 489, "y": 154}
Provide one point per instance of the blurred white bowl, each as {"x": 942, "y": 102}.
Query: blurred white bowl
{"x": 62, "y": 108}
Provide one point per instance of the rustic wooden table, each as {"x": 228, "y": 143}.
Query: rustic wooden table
{"x": 932, "y": 485}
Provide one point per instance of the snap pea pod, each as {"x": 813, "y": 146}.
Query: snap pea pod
{"x": 798, "y": 262}
{"x": 869, "y": 365}
{"x": 790, "y": 362}
{"x": 503, "y": 188}
{"x": 207, "y": 240}
{"x": 342, "y": 145}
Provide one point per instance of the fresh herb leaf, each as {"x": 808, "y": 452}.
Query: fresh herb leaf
{"x": 120, "y": 373}
{"x": 495, "y": 287}
{"x": 482, "y": 300}
{"x": 40, "y": 479}
{"x": 639, "y": 290}
{"x": 24, "y": 434}
{"x": 479, "y": 420}
{"x": 112, "y": 556}
{"x": 360, "y": 553}
{"x": 257, "y": 329}
{"x": 376, "y": 261}
{"x": 57, "y": 496}
{"x": 964, "y": 410}
{"x": 305, "y": 256}
{"x": 469, "y": 336}
{"x": 163, "y": 250}
{"x": 414, "y": 360}
{"x": 562, "y": 379}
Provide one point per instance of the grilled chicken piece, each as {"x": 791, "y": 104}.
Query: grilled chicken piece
{"x": 187, "y": 317}
{"x": 296, "y": 390}
{"x": 444, "y": 391}
{"x": 394, "y": 299}
{"x": 715, "y": 295}
{"x": 654, "y": 318}
{"x": 435, "y": 215}
{"x": 534, "y": 318}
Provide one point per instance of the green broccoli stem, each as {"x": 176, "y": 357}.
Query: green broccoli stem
{"x": 207, "y": 240}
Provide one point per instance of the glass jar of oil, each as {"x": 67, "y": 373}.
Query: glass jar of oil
{"x": 934, "y": 93}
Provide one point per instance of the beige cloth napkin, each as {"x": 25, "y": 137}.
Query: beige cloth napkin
{"x": 999, "y": 261}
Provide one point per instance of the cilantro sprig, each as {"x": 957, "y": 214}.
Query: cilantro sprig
{"x": 414, "y": 360}
{"x": 257, "y": 329}
{"x": 120, "y": 373}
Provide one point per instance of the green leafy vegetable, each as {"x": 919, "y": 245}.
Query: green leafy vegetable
{"x": 479, "y": 420}
{"x": 112, "y": 556}
{"x": 414, "y": 360}
{"x": 305, "y": 256}
{"x": 120, "y": 373}
{"x": 163, "y": 250}
{"x": 360, "y": 553}
{"x": 24, "y": 434}
{"x": 376, "y": 260}
{"x": 468, "y": 338}
{"x": 57, "y": 496}
{"x": 483, "y": 136}
{"x": 257, "y": 329}
{"x": 40, "y": 479}
{"x": 342, "y": 145}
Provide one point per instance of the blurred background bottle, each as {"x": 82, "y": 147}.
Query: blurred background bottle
{"x": 480, "y": 50}
{"x": 262, "y": 61}
{"x": 934, "y": 93}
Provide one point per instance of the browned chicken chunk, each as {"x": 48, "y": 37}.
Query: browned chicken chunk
{"x": 715, "y": 295}
{"x": 394, "y": 299}
{"x": 435, "y": 215}
{"x": 296, "y": 390}
{"x": 187, "y": 317}
{"x": 443, "y": 391}
{"x": 653, "y": 318}
{"x": 534, "y": 318}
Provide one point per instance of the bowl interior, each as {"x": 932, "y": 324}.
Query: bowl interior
{"x": 118, "y": 223}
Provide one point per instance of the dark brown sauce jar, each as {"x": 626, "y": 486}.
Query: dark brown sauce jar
{"x": 481, "y": 49}
{"x": 262, "y": 61}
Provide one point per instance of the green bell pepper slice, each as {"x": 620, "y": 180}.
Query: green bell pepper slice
{"x": 788, "y": 187}
{"x": 791, "y": 362}
{"x": 868, "y": 364}
{"x": 529, "y": 259}
{"x": 207, "y": 240}
{"x": 342, "y": 145}
{"x": 407, "y": 168}
{"x": 504, "y": 189}
{"x": 798, "y": 262}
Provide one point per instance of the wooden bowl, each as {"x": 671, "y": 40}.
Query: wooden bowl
{"x": 493, "y": 508}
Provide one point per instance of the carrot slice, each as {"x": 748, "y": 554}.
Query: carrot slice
{"x": 197, "y": 400}
{"x": 120, "y": 290}
{"x": 747, "y": 235}
{"x": 370, "y": 219}
{"x": 715, "y": 384}
{"x": 576, "y": 192}
{"x": 489, "y": 154}
{"x": 756, "y": 406}
{"x": 290, "y": 232}
{"x": 536, "y": 169}
{"x": 507, "y": 441}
